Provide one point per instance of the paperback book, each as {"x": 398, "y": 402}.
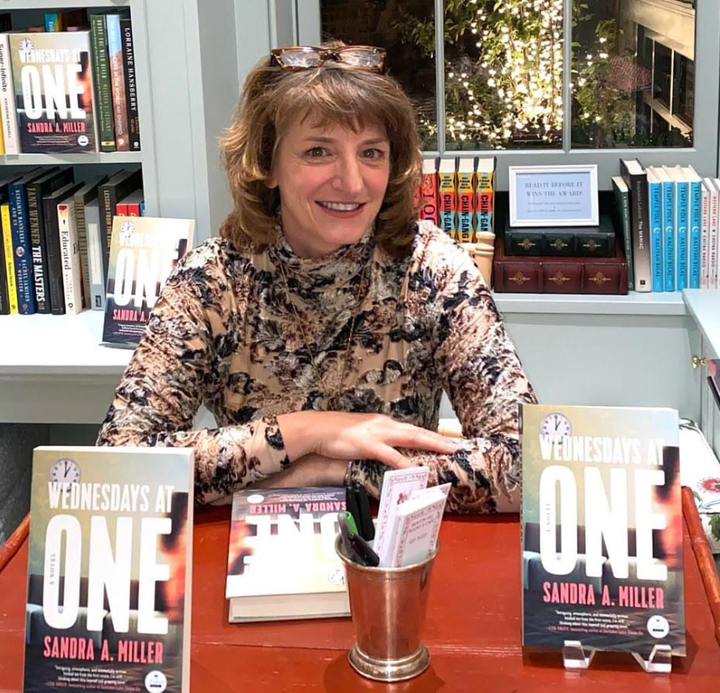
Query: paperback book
{"x": 110, "y": 569}
{"x": 602, "y": 528}
{"x": 282, "y": 562}
{"x": 143, "y": 252}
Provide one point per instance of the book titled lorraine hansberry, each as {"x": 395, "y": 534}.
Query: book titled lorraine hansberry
{"x": 52, "y": 78}
{"x": 602, "y": 528}
{"x": 143, "y": 252}
{"x": 110, "y": 568}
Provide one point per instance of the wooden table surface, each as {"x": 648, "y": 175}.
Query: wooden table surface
{"x": 472, "y": 629}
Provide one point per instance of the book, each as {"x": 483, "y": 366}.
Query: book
{"x": 622, "y": 214}
{"x": 681, "y": 219}
{"x": 36, "y": 190}
{"x": 281, "y": 558}
{"x": 397, "y": 486}
{"x": 485, "y": 205}
{"x": 133, "y": 116}
{"x": 694, "y": 229}
{"x": 52, "y": 243}
{"x": 428, "y": 192}
{"x": 466, "y": 200}
{"x": 143, "y": 252}
{"x": 7, "y": 99}
{"x": 96, "y": 267}
{"x": 109, "y": 194}
{"x": 7, "y": 273}
{"x": 587, "y": 241}
{"x": 636, "y": 179}
{"x": 668, "y": 226}
{"x": 110, "y": 569}
{"x": 447, "y": 196}
{"x": 101, "y": 78}
{"x": 602, "y": 533}
{"x": 656, "y": 230}
{"x": 714, "y": 237}
{"x": 84, "y": 196}
{"x": 559, "y": 275}
{"x": 705, "y": 235}
{"x": 52, "y": 78}
{"x": 70, "y": 256}
{"x": 117, "y": 81}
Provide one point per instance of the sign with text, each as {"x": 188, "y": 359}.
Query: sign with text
{"x": 554, "y": 195}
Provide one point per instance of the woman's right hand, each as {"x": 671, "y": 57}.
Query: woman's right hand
{"x": 350, "y": 436}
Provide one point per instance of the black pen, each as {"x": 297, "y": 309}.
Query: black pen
{"x": 364, "y": 550}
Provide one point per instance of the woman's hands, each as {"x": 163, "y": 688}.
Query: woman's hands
{"x": 347, "y": 436}
{"x": 310, "y": 470}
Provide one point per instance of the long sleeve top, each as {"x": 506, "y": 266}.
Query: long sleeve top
{"x": 253, "y": 335}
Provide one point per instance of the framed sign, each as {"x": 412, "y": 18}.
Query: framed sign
{"x": 554, "y": 195}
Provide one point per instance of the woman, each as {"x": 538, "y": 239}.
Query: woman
{"x": 323, "y": 325}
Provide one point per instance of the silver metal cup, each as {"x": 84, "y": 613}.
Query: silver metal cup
{"x": 388, "y": 607}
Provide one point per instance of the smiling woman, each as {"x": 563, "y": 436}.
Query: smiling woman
{"x": 323, "y": 325}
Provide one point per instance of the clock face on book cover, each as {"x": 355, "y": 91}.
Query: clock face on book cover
{"x": 65, "y": 471}
{"x": 555, "y": 425}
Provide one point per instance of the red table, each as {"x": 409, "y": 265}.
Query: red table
{"x": 472, "y": 631}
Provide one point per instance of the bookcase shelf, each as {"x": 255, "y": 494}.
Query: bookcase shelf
{"x": 119, "y": 158}
{"x": 6, "y": 5}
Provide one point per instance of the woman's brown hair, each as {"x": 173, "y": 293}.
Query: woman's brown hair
{"x": 335, "y": 94}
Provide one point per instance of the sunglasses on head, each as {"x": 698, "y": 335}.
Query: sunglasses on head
{"x": 306, "y": 57}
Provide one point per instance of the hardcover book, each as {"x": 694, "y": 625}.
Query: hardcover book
{"x": 143, "y": 252}
{"x": 587, "y": 241}
{"x": 52, "y": 77}
{"x": 109, "y": 576}
{"x": 636, "y": 179}
{"x": 281, "y": 562}
{"x": 602, "y": 534}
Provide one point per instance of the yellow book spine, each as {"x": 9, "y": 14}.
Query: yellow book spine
{"x": 9, "y": 255}
{"x": 2, "y": 140}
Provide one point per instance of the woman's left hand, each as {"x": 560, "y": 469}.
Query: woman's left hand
{"x": 310, "y": 470}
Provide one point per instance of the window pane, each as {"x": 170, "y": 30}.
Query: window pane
{"x": 503, "y": 74}
{"x": 633, "y": 74}
{"x": 407, "y": 30}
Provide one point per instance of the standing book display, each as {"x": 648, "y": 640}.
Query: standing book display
{"x": 110, "y": 568}
{"x": 602, "y": 533}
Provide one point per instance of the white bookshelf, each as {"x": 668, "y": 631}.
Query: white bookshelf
{"x": 116, "y": 158}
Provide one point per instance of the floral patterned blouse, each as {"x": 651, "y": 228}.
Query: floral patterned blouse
{"x": 398, "y": 332}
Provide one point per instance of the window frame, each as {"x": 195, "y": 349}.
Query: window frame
{"x": 703, "y": 155}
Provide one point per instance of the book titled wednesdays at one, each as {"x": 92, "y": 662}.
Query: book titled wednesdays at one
{"x": 282, "y": 562}
{"x": 143, "y": 252}
{"x": 602, "y": 528}
{"x": 109, "y": 576}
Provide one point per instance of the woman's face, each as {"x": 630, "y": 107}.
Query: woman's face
{"x": 332, "y": 182}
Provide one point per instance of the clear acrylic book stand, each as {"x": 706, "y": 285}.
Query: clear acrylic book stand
{"x": 575, "y": 656}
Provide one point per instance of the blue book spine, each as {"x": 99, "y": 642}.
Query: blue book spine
{"x": 656, "y": 235}
{"x": 694, "y": 233}
{"x": 52, "y": 21}
{"x": 668, "y": 213}
{"x": 681, "y": 225}
{"x": 20, "y": 224}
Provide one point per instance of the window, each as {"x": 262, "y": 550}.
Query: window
{"x": 503, "y": 76}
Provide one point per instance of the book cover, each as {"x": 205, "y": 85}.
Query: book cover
{"x": 143, "y": 252}
{"x": 110, "y": 570}
{"x": 622, "y": 213}
{"x": 602, "y": 533}
{"x": 281, "y": 559}
{"x": 52, "y": 78}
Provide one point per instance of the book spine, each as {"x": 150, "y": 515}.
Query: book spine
{"x": 656, "y": 233}
{"x": 668, "y": 212}
{"x": 428, "y": 198}
{"x": 52, "y": 21}
{"x": 107, "y": 196}
{"x": 101, "y": 76}
{"x": 132, "y": 209}
{"x": 4, "y": 298}
{"x": 704, "y": 238}
{"x": 117, "y": 82}
{"x": 2, "y": 138}
{"x": 39, "y": 259}
{"x": 133, "y": 115}
{"x": 23, "y": 249}
{"x": 52, "y": 243}
{"x": 79, "y": 209}
{"x": 9, "y": 258}
{"x": 681, "y": 225}
{"x": 466, "y": 206}
{"x": 72, "y": 282}
{"x": 640, "y": 232}
{"x": 714, "y": 241}
{"x": 622, "y": 203}
{"x": 121, "y": 209}
{"x": 694, "y": 233}
{"x": 95, "y": 257}
{"x": 7, "y": 99}
{"x": 485, "y": 203}
{"x": 447, "y": 194}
